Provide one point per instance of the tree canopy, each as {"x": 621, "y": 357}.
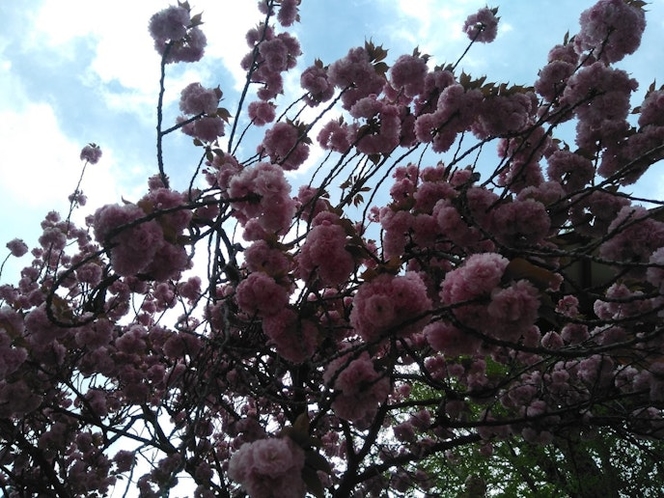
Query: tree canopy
{"x": 462, "y": 298}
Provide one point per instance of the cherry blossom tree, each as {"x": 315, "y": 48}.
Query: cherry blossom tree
{"x": 455, "y": 277}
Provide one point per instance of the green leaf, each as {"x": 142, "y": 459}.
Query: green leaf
{"x": 381, "y": 68}
{"x": 312, "y": 481}
{"x": 317, "y": 461}
{"x": 223, "y": 113}
{"x": 197, "y": 20}
{"x": 302, "y": 423}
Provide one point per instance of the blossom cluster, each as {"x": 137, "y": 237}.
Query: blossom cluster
{"x": 206, "y": 121}
{"x": 141, "y": 243}
{"x": 332, "y": 344}
{"x": 177, "y": 36}
{"x": 269, "y": 468}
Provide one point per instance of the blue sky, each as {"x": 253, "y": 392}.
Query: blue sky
{"x": 79, "y": 71}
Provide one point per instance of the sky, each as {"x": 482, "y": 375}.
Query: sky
{"x": 80, "y": 71}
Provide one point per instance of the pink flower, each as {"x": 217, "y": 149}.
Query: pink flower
{"x": 262, "y": 193}
{"x": 655, "y": 274}
{"x": 384, "y": 138}
{"x": 456, "y": 111}
{"x": 482, "y": 26}
{"x": 175, "y": 36}
{"x": 285, "y": 146}
{"x": 335, "y": 135}
{"x": 501, "y": 115}
{"x": 195, "y": 99}
{"x": 356, "y": 76}
{"x": 91, "y": 153}
{"x": 206, "y": 129}
{"x": 168, "y": 262}
{"x": 314, "y": 80}
{"x": 288, "y": 14}
{"x": 574, "y": 333}
{"x": 124, "y": 460}
{"x": 388, "y": 303}
{"x": 261, "y": 112}
{"x": 552, "y": 340}
{"x": 261, "y": 257}
{"x": 628, "y": 159}
{"x": 275, "y": 54}
{"x": 360, "y": 388}
{"x": 450, "y": 340}
{"x": 312, "y": 201}
{"x": 132, "y": 247}
{"x": 513, "y": 310}
{"x": 169, "y": 24}
{"x": 259, "y": 293}
{"x": 434, "y": 83}
{"x": 408, "y": 73}
{"x": 599, "y": 93}
{"x": 17, "y": 247}
{"x": 269, "y": 468}
{"x": 520, "y": 222}
{"x": 480, "y": 274}
{"x": 633, "y": 236}
{"x": 295, "y": 339}
{"x": 323, "y": 256}
{"x": 189, "y": 49}
{"x": 592, "y": 214}
{"x": 552, "y": 79}
{"x": 611, "y": 29}
{"x": 652, "y": 109}
{"x": 572, "y": 171}
{"x": 273, "y": 457}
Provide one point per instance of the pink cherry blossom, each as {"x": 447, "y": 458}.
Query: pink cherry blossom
{"x": 513, "y": 309}
{"x": 261, "y": 112}
{"x": 132, "y": 247}
{"x": 175, "y": 37}
{"x": 387, "y": 304}
{"x": 91, "y": 153}
{"x": 206, "y": 128}
{"x": 285, "y": 146}
{"x": 323, "y": 255}
{"x": 457, "y": 273}
{"x": 315, "y": 81}
{"x": 408, "y": 73}
{"x": 259, "y": 293}
{"x": 482, "y": 26}
{"x": 269, "y": 468}
{"x": 611, "y": 29}
{"x": 288, "y": 12}
{"x": 451, "y": 341}
{"x": 356, "y": 76}
{"x": 294, "y": 339}
{"x": 480, "y": 274}
{"x": 360, "y": 387}
{"x": 170, "y": 23}
{"x": 17, "y": 247}
{"x": 195, "y": 99}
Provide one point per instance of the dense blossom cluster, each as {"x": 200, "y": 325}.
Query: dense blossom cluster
{"x": 91, "y": 153}
{"x": 206, "y": 121}
{"x": 610, "y": 30}
{"x": 482, "y": 26}
{"x": 269, "y": 468}
{"x": 176, "y": 34}
{"x": 331, "y": 345}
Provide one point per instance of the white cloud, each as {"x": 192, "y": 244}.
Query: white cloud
{"x": 436, "y": 27}
{"x": 226, "y": 32}
{"x": 116, "y": 32}
{"x": 40, "y": 165}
